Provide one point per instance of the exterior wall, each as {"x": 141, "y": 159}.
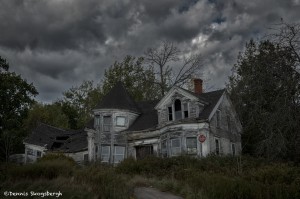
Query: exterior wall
{"x": 78, "y": 156}
{"x": 229, "y": 130}
{"x": 194, "y": 107}
{"x": 31, "y": 152}
{"x": 98, "y": 138}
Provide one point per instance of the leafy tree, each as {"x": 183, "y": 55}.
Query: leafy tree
{"x": 265, "y": 89}
{"x": 137, "y": 80}
{"x": 78, "y": 103}
{"x": 167, "y": 53}
{"x": 51, "y": 114}
{"x": 16, "y": 97}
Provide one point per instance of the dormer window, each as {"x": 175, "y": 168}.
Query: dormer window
{"x": 178, "y": 111}
{"x": 185, "y": 110}
{"x": 177, "y": 105}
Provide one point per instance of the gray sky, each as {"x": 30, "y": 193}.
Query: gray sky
{"x": 56, "y": 44}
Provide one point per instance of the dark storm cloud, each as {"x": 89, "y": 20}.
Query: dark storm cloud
{"x": 56, "y": 44}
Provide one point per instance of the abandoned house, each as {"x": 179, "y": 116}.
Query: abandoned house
{"x": 194, "y": 123}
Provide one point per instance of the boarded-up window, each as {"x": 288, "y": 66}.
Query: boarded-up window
{"x": 106, "y": 123}
{"x": 175, "y": 146}
{"x": 119, "y": 154}
{"x": 105, "y": 153}
{"x": 191, "y": 145}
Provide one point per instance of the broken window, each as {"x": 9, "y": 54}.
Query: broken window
{"x": 106, "y": 123}
{"x": 191, "y": 145}
{"x": 120, "y": 120}
{"x": 105, "y": 153}
{"x": 175, "y": 146}
{"x": 119, "y": 154}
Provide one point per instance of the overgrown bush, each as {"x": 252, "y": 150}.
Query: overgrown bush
{"x": 104, "y": 181}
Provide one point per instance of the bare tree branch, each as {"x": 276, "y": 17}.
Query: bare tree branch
{"x": 164, "y": 55}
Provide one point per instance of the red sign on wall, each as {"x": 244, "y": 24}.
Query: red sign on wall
{"x": 201, "y": 138}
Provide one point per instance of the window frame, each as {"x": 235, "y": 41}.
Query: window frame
{"x": 108, "y": 154}
{"x": 185, "y": 110}
{"x": 179, "y": 147}
{"x": 195, "y": 148}
{"x": 97, "y": 120}
{"x": 164, "y": 151}
{"x": 119, "y": 154}
{"x": 107, "y": 125}
{"x": 118, "y": 117}
{"x": 30, "y": 151}
{"x": 38, "y": 154}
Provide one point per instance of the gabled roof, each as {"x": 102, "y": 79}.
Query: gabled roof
{"x": 118, "y": 98}
{"x": 56, "y": 139}
{"x": 212, "y": 98}
{"x": 148, "y": 120}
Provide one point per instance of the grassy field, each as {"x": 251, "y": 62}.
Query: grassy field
{"x": 211, "y": 178}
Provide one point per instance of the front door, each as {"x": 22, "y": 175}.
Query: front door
{"x": 143, "y": 151}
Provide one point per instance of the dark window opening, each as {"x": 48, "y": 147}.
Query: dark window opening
{"x": 217, "y": 146}
{"x": 170, "y": 113}
{"x": 178, "y": 114}
{"x": 56, "y": 145}
{"x": 233, "y": 149}
{"x": 143, "y": 151}
{"x": 38, "y": 154}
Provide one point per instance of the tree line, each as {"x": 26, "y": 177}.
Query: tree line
{"x": 264, "y": 87}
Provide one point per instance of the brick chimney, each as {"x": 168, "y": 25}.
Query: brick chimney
{"x": 198, "y": 86}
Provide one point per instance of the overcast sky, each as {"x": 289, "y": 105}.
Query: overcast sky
{"x": 56, "y": 44}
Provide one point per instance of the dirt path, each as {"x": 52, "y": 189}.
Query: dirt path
{"x": 151, "y": 193}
